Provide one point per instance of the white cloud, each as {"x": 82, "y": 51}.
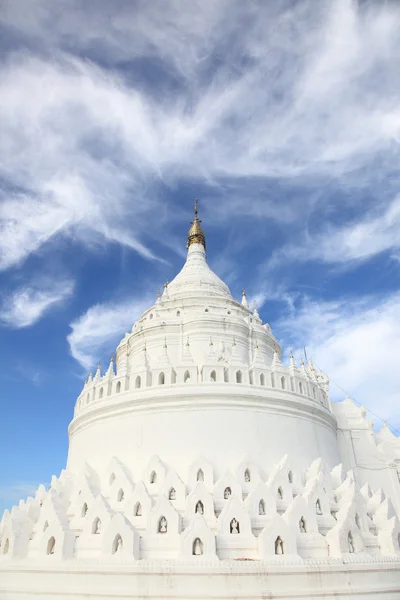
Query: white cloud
{"x": 28, "y": 304}
{"x": 298, "y": 91}
{"x": 99, "y": 329}
{"x": 356, "y": 343}
{"x": 376, "y": 232}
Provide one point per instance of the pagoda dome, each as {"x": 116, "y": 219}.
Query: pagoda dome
{"x": 196, "y": 278}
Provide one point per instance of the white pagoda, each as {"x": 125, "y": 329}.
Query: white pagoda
{"x": 201, "y": 466}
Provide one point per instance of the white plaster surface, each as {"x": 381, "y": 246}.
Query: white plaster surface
{"x": 197, "y": 426}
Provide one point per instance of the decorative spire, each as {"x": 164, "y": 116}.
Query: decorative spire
{"x": 255, "y": 311}
{"x": 165, "y": 295}
{"x": 98, "y": 372}
{"x": 196, "y": 233}
{"x": 244, "y": 299}
{"x": 110, "y": 370}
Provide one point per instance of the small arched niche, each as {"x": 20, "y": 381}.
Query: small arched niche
{"x": 200, "y": 475}
{"x": 199, "y": 508}
{"x": 84, "y": 510}
{"x": 234, "y": 526}
{"x": 273, "y": 380}
{"x": 280, "y": 493}
{"x": 137, "y": 511}
{"x": 172, "y": 494}
{"x": 153, "y": 477}
{"x": 227, "y": 493}
{"x": 197, "y": 548}
{"x": 51, "y": 546}
{"x": 283, "y": 383}
{"x": 262, "y": 379}
{"x": 350, "y": 542}
{"x": 239, "y": 377}
{"x": 247, "y": 476}
{"x": 357, "y": 520}
{"x": 318, "y": 508}
{"x": 96, "y": 526}
{"x": 6, "y": 546}
{"x": 186, "y": 377}
{"x": 302, "y": 525}
{"x": 290, "y": 477}
{"x": 112, "y": 478}
{"x": 161, "y": 379}
{"x": 226, "y": 376}
{"x": 138, "y": 382}
{"x": 118, "y": 388}
{"x": 279, "y": 547}
{"x": 101, "y": 392}
{"x": 117, "y": 544}
{"x": 300, "y": 387}
{"x": 261, "y": 507}
{"x": 213, "y": 376}
{"x": 120, "y": 495}
{"x": 162, "y": 525}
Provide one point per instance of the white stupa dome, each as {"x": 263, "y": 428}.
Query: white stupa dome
{"x": 200, "y": 465}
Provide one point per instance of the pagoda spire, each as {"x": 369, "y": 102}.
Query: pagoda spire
{"x": 196, "y": 233}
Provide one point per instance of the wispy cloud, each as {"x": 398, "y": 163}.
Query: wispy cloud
{"x": 375, "y": 232}
{"x": 356, "y": 343}
{"x": 14, "y": 492}
{"x": 27, "y": 305}
{"x": 98, "y": 330}
{"x": 144, "y": 95}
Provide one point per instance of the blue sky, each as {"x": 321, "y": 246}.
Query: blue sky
{"x": 282, "y": 117}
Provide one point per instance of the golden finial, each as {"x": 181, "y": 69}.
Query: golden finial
{"x": 196, "y": 234}
{"x": 165, "y": 284}
{"x": 243, "y": 292}
{"x": 291, "y": 354}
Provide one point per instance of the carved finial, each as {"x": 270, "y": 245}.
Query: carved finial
{"x": 243, "y": 292}
{"x": 291, "y": 354}
{"x": 196, "y": 234}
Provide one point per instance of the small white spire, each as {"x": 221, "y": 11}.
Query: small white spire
{"x": 90, "y": 377}
{"x": 244, "y": 299}
{"x": 276, "y": 359}
{"x": 98, "y": 373}
{"x": 165, "y": 295}
{"x": 110, "y": 370}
